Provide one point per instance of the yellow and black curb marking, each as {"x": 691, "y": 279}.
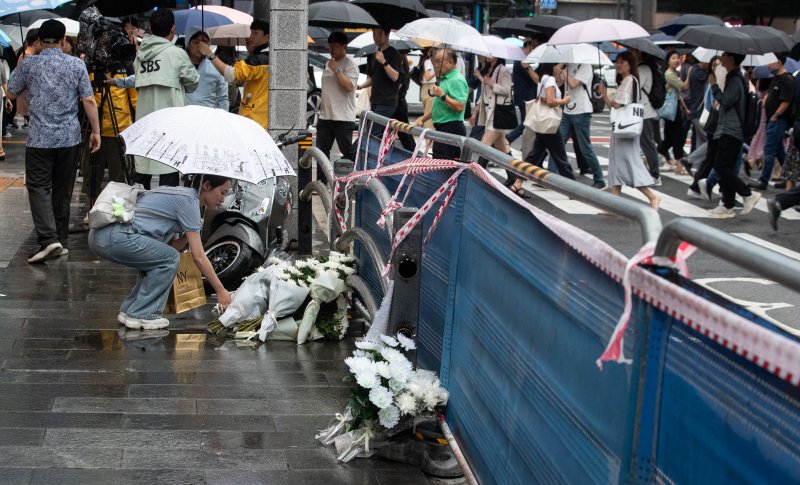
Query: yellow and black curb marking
{"x": 529, "y": 169}
{"x": 401, "y": 126}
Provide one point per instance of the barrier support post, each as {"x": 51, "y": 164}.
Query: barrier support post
{"x": 406, "y": 269}
{"x": 304, "y": 207}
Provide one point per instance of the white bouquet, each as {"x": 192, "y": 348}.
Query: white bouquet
{"x": 285, "y": 297}
{"x": 325, "y": 288}
{"x": 249, "y": 301}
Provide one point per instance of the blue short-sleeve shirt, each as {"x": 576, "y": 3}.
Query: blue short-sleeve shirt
{"x": 174, "y": 213}
{"x": 56, "y": 82}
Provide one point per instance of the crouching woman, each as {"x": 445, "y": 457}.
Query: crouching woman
{"x": 166, "y": 220}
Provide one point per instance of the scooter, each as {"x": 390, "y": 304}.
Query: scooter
{"x": 240, "y": 234}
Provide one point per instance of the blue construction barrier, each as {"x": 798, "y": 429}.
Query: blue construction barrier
{"x": 514, "y": 318}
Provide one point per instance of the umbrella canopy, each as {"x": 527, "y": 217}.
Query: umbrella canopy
{"x": 339, "y": 14}
{"x": 196, "y": 139}
{"x": 399, "y": 44}
{"x": 597, "y": 30}
{"x": 440, "y": 32}
{"x": 663, "y": 40}
{"x": 393, "y": 14}
{"x": 549, "y": 24}
{"x": 439, "y": 13}
{"x": 644, "y": 45}
{"x": 677, "y": 24}
{"x": 191, "y": 19}
{"x": 796, "y": 37}
{"x": 5, "y": 40}
{"x": 15, "y": 35}
{"x": 568, "y": 53}
{"x": 501, "y": 49}
{"x": 24, "y": 17}
{"x": 73, "y": 27}
{"x": 513, "y": 26}
{"x": 235, "y": 16}
{"x": 705, "y": 55}
{"x": 768, "y": 39}
{"x": 719, "y": 37}
{"x": 762, "y": 72}
{"x": 229, "y": 35}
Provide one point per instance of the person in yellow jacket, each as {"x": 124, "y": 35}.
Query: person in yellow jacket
{"x": 110, "y": 155}
{"x": 253, "y": 71}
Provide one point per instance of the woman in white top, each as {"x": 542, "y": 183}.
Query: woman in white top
{"x": 550, "y": 94}
{"x": 625, "y": 164}
{"x": 496, "y": 90}
{"x": 427, "y": 79}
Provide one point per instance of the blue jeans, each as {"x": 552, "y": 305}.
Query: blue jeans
{"x": 157, "y": 264}
{"x": 579, "y": 125}
{"x": 517, "y": 132}
{"x": 383, "y": 110}
{"x": 773, "y": 147}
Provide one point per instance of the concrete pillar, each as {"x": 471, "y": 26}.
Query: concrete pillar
{"x": 288, "y": 79}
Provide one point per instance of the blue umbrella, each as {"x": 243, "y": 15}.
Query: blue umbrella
{"x": 18, "y": 6}
{"x": 185, "y": 19}
{"x": 5, "y": 40}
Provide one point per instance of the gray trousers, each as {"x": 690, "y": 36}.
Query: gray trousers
{"x": 49, "y": 178}
{"x": 648, "y": 145}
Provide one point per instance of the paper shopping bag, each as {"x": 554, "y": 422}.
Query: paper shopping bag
{"x": 187, "y": 290}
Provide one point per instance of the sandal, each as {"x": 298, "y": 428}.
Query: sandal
{"x": 3, "y": 157}
{"x": 520, "y": 192}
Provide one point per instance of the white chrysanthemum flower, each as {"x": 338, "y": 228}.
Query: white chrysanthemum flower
{"x": 301, "y": 264}
{"x": 274, "y": 260}
{"x": 431, "y": 398}
{"x": 444, "y": 396}
{"x": 367, "y": 345}
{"x": 359, "y": 364}
{"x": 367, "y": 380}
{"x": 383, "y": 370}
{"x": 400, "y": 370}
{"x": 348, "y": 270}
{"x": 416, "y": 388}
{"x": 406, "y": 403}
{"x": 405, "y": 342}
{"x": 389, "y": 417}
{"x": 393, "y": 355}
{"x": 389, "y": 340}
{"x": 396, "y": 386}
{"x": 381, "y": 397}
{"x": 358, "y": 353}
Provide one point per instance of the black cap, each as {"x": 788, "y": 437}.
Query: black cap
{"x": 52, "y": 31}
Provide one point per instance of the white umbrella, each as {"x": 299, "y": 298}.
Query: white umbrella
{"x": 73, "y": 27}
{"x": 568, "y": 53}
{"x": 196, "y": 139}
{"x": 704, "y": 55}
{"x": 229, "y": 35}
{"x": 445, "y": 32}
{"x": 597, "y": 30}
{"x": 503, "y": 49}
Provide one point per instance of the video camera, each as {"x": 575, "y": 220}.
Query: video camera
{"x": 105, "y": 44}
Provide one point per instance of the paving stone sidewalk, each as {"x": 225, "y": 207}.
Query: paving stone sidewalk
{"x": 84, "y": 401}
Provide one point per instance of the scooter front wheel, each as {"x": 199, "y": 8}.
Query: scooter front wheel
{"x": 232, "y": 260}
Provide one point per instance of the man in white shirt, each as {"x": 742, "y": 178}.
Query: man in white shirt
{"x": 337, "y": 113}
{"x": 577, "y": 117}
{"x": 650, "y": 124}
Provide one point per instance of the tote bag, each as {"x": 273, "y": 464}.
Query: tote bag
{"x": 627, "y": 121}
{"x": 670, "y": 108}
{"x": 542, "y": 118}
{"x": 187, "y": 290}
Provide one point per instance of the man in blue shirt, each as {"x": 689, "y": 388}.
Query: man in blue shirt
{"x": 54, "y": 82}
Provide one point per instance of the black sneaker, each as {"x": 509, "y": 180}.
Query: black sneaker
{"x": 51, "y": 251}
{"x": 758, "y": 185}
{"x": 601, "y": 185}
{"x": 780, "y": 185}
{"x": 774, "y": 212}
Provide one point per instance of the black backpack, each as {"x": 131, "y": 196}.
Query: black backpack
{"x": 598, "y": 105}
{"x": 658, "y": 88}
{"x": 752, "y": 112}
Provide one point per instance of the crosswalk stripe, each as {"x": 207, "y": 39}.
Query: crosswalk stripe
{"x": 767, "y": 244}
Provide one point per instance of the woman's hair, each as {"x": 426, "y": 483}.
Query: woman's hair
{"x": 194, "y": 180}
{"x": 670, "y": 53}
{"x": 546, "y": 69}
{"x": 73, "y": 42}
{"x": 628, "y": 57}
{"x": 710, "y": 68}
{"x": 497, "y": 63}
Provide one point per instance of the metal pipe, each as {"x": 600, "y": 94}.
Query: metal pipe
{"x": 462, "y": 461}
{"x": 323, "y": 163}
{"x": 775, "y": 266}
{"x": 357, "y": 233}
{"x": 321, "y": 189}
{"x": 357, "y": 283}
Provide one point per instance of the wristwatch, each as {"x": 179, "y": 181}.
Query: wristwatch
{"x": 212, "y": 57}
{"x": 443, "y": 98}
{"x": 385, "y": 63}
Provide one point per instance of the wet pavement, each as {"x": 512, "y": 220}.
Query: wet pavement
{"x": 84, "y": 401}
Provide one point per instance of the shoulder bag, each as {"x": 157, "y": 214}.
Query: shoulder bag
{"x": 627, "y": 121}
{"x": 542, "y": 118}
{"x": 505, "y": 115}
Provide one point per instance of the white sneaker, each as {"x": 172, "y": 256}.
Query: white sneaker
{"x": 64, "y": 252}
{"x": 86, "y": 220}
{"x": 144, "y": 324}
{"x": 657, "y": 182}
{"x": 750, "y": 201}
{"x": 721, "y": 212}
{"x": 693, "y": 195}
{"x": 702, "y": 183}
{"x": 122, "y": 317}
{"x": 51, "y": 251}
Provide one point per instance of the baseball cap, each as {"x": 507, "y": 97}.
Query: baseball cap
{"x": 52, "y": 31}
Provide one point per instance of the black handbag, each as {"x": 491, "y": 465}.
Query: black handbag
{"x": 505, "y": 116}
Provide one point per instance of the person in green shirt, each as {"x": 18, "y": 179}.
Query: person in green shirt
{"x": 450, "y": 99}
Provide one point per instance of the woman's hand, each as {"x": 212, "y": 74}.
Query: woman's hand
{"x": 488, "y": 82}
{"x": 565, "y": 100}
{"x": 224, "y": 299}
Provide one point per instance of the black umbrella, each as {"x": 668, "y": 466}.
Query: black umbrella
{"x": 548, "y": 24}
{"x": 663, "y": 40}
{"x": 393, "y": 14}
{"x": 339, "y": 15}
{"x": 721, "y": 38}
{"x": 512, "y": 26}
{"x": 28, "y": 17}
{"x": 769, "y": 39}
{"x": 439, "y": 13}
{"x": 399, "y": 44}
{"x": 644, "y": 45}
{"x": 796, "y": 37}
{"x": 678, "y": 23}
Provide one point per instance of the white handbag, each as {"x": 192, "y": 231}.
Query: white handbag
{"x": 627, "y": 121}
{"x": 542, "y": 118}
